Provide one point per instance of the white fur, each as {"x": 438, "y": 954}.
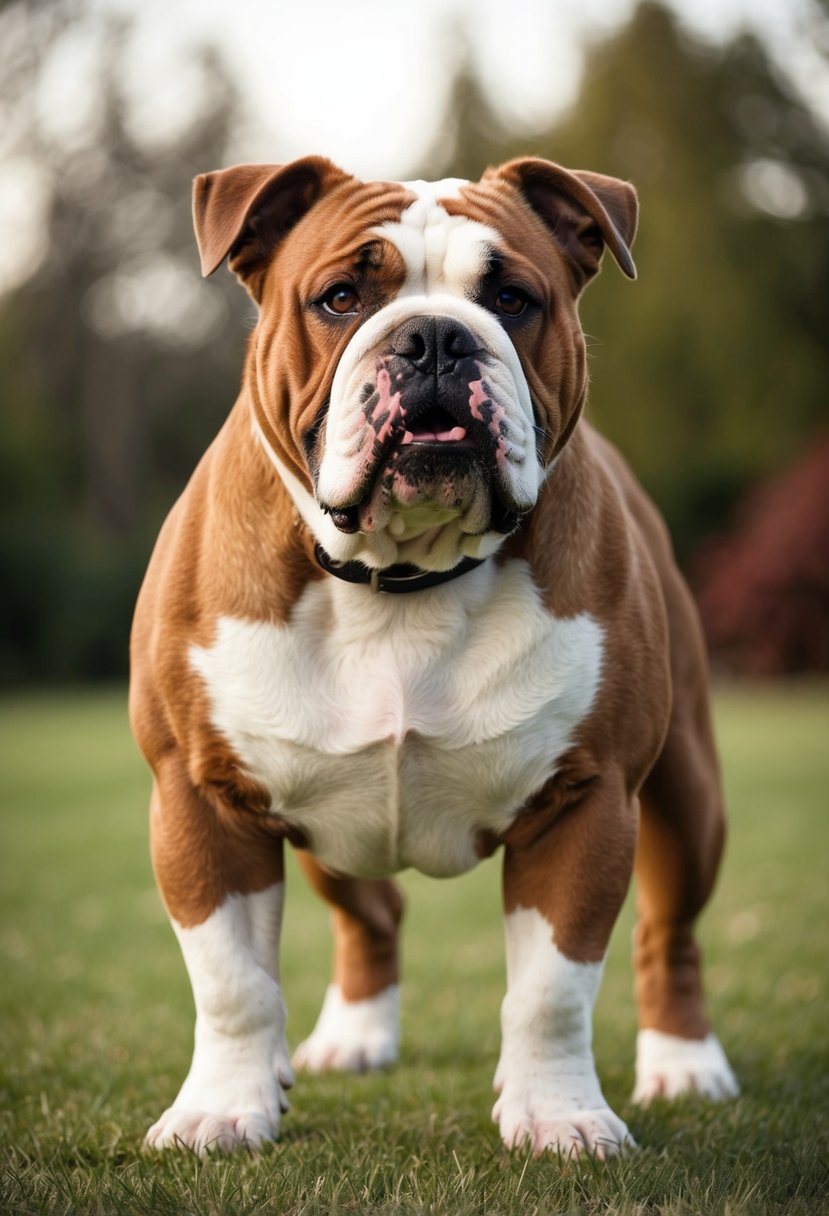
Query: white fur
{"x": 391, "y": 730}
{"x": 442, "y": 252}
{"x": 431, "y": 192}
{"x": 521, "y": 470}
{"x": 352, "y": 1036}
{"x": 550, "y": 1097}
{"x": 439, "y": 548}
{"x": 445, "y": 257}
{"x": 668, "y": 1066}
{"x": 234, "y": 1092}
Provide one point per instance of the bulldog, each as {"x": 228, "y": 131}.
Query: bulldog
{"x": 412, "y": 609}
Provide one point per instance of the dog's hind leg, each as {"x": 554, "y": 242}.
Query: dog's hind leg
{"x": 358, "y": 1026}
{"x": 680, "y": 844}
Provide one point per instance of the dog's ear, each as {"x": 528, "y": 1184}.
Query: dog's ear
{"x": 243, "y": 212}
{"x": 584, "y": 211}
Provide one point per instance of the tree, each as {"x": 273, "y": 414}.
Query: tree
{"x": 714, "y": 373}
{"x": 117, "y": 362}
{"x": 711, "y": 370}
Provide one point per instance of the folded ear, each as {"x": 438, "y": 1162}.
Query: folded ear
{"x": 584, "y": 211}
{"x": 243, "y": 212}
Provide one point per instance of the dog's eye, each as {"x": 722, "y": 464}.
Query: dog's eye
{"x": 511, "y": 301}
{"x": 341, "y": 299}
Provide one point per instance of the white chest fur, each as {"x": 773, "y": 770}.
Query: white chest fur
{"x": 392, "y": 729}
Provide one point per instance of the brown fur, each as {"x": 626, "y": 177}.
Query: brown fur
{"x": 232, "y": 545}
{"x": 366, "y": 915}
{"x": 648, "y": 744}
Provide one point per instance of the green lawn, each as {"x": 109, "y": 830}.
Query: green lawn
{"x": 96, "y": 1022}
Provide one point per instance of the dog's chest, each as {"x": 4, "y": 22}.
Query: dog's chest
{"x": 393, "y": 730}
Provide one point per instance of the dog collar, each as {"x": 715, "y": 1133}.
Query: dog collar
{"x": 397, "y": 579}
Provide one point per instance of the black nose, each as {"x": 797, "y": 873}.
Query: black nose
{"x": 433, "y": 344}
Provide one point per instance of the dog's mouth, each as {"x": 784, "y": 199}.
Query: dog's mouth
{"x": 436, "y": 426}
{"x": 426, "y": 441}
{"x": 429, "y": 467}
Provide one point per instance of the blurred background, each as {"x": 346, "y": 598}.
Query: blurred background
{"x": 118, "y": 364}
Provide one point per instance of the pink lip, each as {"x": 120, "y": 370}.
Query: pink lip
{"x": 456, "y": 435}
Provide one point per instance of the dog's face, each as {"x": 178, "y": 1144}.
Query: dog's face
{"x": 418, "y": 362}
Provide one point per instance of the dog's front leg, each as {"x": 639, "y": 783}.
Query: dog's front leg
{"x": 222, "y": 882}
{"x": 565, "y": 876}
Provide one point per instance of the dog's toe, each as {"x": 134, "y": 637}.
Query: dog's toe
{"x": 206, "y": 1133}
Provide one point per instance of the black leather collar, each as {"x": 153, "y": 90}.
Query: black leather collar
{"x": 396, "y": 580}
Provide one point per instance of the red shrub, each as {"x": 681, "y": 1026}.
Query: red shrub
{"x": 763, "y": 588}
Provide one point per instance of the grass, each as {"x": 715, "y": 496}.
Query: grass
{"x": 96, "y": 1021}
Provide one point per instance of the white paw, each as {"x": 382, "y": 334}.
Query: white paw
{"x": 668, "y": 1066}
{"x": 204, "y": 1132}
{"x": 233, "y": 1096}
{"x": 352, "y": 1036}
{"x": 559, "y": 1110}
{"x": 542, "y": 1122}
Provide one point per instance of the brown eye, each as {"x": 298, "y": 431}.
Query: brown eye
{"x": 511, "y": 301}
{"x": 341, "y": 299}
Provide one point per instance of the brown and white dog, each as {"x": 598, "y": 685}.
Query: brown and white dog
{"x": 411, "y": 609}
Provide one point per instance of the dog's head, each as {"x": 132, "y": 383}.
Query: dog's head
{"x": 418, "y": 362}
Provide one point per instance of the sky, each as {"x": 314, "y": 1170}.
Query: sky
{"x": 364, "y": 81}
{"x": 361, "y": 81}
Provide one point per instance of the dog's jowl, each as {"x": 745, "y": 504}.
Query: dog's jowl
{"x": 411, "y": 608}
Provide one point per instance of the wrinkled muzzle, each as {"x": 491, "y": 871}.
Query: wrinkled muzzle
{"x": 430, "y": 419}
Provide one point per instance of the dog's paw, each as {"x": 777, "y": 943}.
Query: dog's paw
{"x": 542, "y": 1122}
{"x": 233, "y": 1099}
{"x": 207, "y": 1133}
{"x": 352, "y": 1036}
{"x": 559, "y": 1108}
{"x": 208, "y": 1122}
{"x": 668, "y": 1066}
